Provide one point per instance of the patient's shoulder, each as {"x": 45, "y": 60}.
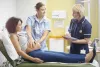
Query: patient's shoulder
{"x": 13, "y": 36}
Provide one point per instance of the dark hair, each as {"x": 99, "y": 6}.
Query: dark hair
{"x": 38, "y": 5}
{"x": 12, "y": 23}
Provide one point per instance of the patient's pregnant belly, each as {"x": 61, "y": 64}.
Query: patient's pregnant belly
{"x": 25, "y": 46}
{"x": 32, "y": 47}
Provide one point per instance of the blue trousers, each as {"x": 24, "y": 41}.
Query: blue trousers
{"x": 50, "y": 56}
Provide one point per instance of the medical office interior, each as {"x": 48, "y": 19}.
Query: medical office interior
{"x": 59, "y": 13}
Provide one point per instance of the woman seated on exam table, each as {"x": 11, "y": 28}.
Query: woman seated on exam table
{"x": 34, "y": 53}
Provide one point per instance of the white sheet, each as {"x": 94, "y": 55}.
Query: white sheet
{"x": 9, "y": 46}
{"x": 2, "y": 58}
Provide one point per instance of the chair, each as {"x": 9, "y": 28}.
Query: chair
{"x": 28, "y": 64}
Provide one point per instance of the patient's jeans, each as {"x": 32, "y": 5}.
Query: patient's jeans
{"x": 50, "y": 56}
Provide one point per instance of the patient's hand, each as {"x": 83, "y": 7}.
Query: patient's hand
{"x": 37, "y": 60}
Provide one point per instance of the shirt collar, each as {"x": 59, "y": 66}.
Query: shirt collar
{"x": 81, "y": 20}
{"x": 43, "y": 19}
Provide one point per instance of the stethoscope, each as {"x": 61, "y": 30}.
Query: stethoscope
{"x": 71, "y": 27}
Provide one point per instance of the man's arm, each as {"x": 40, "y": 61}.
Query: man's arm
{"x": 31, "y": 40}
{"x": 28, "y": 30}
{"x": 45, "y": 34}
{"x": 78, "y": 41}
{"x": 82, "y": 41}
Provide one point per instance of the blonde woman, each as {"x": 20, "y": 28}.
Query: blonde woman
{"x": 80, "y": 28}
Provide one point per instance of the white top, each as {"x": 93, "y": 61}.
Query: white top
{"x": 22, "y": 36}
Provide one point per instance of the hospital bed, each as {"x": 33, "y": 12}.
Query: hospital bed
{"x": 48, "y": 64}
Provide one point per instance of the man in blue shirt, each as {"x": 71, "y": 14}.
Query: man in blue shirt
{"x": 38, "y": 27}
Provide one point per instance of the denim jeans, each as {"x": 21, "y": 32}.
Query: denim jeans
{"x": 51, "y": 56}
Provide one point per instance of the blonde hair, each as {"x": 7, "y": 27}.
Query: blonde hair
{"x": 79, "y": 8}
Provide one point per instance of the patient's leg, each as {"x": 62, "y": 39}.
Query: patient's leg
{"x": 88, "y": 57}
{"x": 49, "y": 56}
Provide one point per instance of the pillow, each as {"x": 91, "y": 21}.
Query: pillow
{"x": 9, "y": 46}
{"x": 2, "y": 58}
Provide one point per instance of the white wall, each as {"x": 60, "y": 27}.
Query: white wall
{"x": 99, "y": 20}
{"x": 19, "y": 8}
{"x": 7, "y": 9}
{"x": 26, "y": 8}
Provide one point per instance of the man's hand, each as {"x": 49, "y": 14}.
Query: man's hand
{"x": 68, "y": 37}
{"x": 31, "y": 43}
{"x": 37, "y": 45}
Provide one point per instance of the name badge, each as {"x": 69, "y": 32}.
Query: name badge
{"x": 80, "y": 31}
{"x": 83, "y": 51}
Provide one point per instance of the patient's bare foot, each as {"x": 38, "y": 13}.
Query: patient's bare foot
{"x": 90, "y": 56}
